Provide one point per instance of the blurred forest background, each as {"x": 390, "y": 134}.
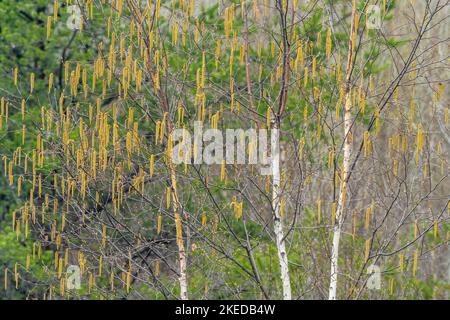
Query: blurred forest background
{"x": 85, "y": 132}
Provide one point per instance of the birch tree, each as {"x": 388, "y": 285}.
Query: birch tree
{"x": 346, "y": 166}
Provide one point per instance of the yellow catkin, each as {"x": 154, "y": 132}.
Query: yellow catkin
{"x": 55, "y": 10}
{"x": 404, "y": 144}
{"x": 168, "y": 197}
{"x": 338, "y": 104}
{"x": 333, "y": 213}
{"x": 222, "y": 171}
{"x": 19, "y": 186}
{"x": 367, "y": 250}
{"x": 16, "y": 275}
{"x": 330, "y": 159}
{"x": 6, "y": 279}
{"x": 49, "y": 26}
{"x": 301, "y": 146}
{"x": 23, "y": 133}
{"x": 416, "y": 257}
{"x": 313, "y": 69}
{"x": 377, "y": 121}
{"x": 60, "y": 268}
{"x": 441, "y": 89}
{"x": 152, "y": 165}
{"x": 401, "y": 262}
{"x": 157, "y": 130}
{"x": 204, "y": 219}
{"x": 238, "y": 206}
{"x": 50, "y": 82}
{"x": 180, "y": 115}
{"x": 22, "y": 108}
{"x": 305, "y": 77}
{"x": 32, "y": 77}
{"x": 328, "y": 44}
{"x": 368, "y": 213}
{"x": 159, "y": 224}
{"x": 419, "y": 142}
{"x": 66, "y": 257}
{"x": 16, "y": 75}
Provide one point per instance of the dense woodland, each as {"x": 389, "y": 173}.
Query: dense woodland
{"x": 93, "y": 90}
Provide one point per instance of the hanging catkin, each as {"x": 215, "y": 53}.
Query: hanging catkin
{"x": 49, "y": 26}
{"x": 367, "y": 249}
{"x": 159, "y": 224}
{"x": 32, "y": 76}
{"x": 168, "y": 197}
{"x": 6, "y": 279}
{"x": 204, "y": 219}
{"x": 16, "y": 75}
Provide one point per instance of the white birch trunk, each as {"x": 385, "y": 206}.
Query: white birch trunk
{"x": 180, "y": 243}
{"x": 342, "y": 195}
{"x": 337, "y": 228}
{"x": 278, "y": 222}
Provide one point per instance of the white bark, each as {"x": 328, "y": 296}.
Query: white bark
{"x": 346, "y": 161}
{"x": 183, "y": 277}
{"x": 342, "y": 195}
{"x": 278, "y": 222}
{"x": 180, "y": 243}
{"x": 334, "y": 263}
